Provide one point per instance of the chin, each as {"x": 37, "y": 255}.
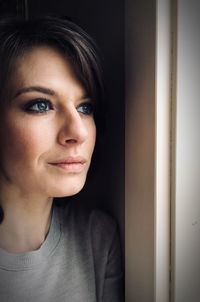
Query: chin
{"x": 68, "y": 189}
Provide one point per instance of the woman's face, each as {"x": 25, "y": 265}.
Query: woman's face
{"x": 47, "y": 130}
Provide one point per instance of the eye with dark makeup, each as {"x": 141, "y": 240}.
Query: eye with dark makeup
{"x": 86, "y": 108}
{"x": 39, "y": 105}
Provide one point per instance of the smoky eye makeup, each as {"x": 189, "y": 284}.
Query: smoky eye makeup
{"x": 86, "y": 108}
{"x": 39, "y": 105}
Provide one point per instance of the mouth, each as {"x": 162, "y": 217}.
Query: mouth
{"x": 70, "y": 164}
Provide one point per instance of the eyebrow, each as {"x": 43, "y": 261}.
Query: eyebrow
{"x": 41, "y": 89}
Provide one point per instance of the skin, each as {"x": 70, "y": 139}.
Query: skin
{"x": 32, "y": 141}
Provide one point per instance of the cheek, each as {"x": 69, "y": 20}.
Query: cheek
{"x": 22, "y": 142}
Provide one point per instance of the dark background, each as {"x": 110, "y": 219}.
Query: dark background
{"x": 104, "y": 21}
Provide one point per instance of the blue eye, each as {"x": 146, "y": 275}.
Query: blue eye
{"x": 86, "y": 108}
{"x": 38, "y": 106}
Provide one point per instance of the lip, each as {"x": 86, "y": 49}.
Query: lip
{"x": 73, "y": 164}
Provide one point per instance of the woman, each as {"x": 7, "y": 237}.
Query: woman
{"x": 51, "y": 94}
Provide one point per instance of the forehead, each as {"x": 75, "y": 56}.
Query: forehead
{"x": 44, "y": 66}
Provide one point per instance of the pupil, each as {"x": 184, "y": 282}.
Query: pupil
{"x": 42, "y": 106}
{"x": 87, "y": 108}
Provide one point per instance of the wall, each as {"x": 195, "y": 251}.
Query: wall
{"x": 140, "y": 149}
{"x": 186, "y": 194}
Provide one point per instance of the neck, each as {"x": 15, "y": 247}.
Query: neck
{"x": 26, "y": 222}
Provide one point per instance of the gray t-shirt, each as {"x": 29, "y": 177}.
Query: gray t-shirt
{"x": 79, "y": 261}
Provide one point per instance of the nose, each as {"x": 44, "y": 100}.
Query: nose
{"x": 73, "y": 129}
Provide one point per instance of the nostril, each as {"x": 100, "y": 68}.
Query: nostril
{"x": 71, "y": 141}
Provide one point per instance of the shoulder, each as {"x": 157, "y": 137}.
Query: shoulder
{"x": 91, "y": 237}
{"x": 95, "y": 219}
{"x": 94, "y": 225}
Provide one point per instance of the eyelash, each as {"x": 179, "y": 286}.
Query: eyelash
{"x": 87, "y": 108}
{"x": 28, "y": 107}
